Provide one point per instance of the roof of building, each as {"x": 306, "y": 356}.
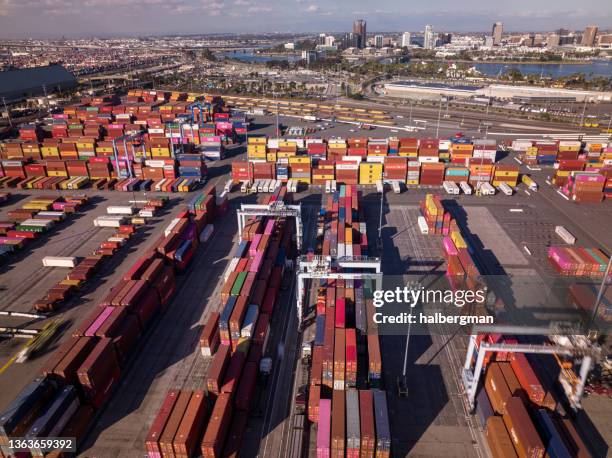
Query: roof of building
{"x": 23, "y": 79}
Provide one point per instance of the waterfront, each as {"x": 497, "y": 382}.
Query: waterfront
{"x": 250, "y": 56}
{"x": 591, "y": 69}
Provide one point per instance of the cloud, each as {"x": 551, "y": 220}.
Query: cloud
{"x": 313, "y": 9}
{"x": 259, "y": 9}
{"x": 242, "y": 3}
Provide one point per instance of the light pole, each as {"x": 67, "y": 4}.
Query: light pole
{"x": 583, "y": 112}
{"x": 439, "y": 114}
{"x": 382, "y": 197}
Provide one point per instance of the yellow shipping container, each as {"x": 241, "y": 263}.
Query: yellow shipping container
{"x": 509, "y": 182}
{"x": 256, "y": 155}
{"x": 257, "y": 140}
{"x": 299, "y": 160}
{"x": 285, "y": 154}
{"x": 412, "y": 182}
{"x": 569, "y": 148}
{"x": 106, "y": 149}
{"x": 458, "y": 240}
{"x": 57, "y": 173}
{"x": 532, "y": 150}
{"x": 49, "y": 151}
{"x": 383, "y": 154}
{"x": 501, "y": 173}
{"x": 85, "y": 145}
{"x": 562, "y": 173}
{"x": 160, "y": 152}
{"x": 256, "y": 148}
{"x": 461, "y": 147}
{"x": 271, "y": 157}
{"x": 348, "y": 236}
{"x": 324, "y": 176}
{"x": 408, "y": 154}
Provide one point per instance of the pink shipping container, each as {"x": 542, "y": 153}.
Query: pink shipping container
{"x": 269, "y": 227}
{"x": 257, "y": 260}
{"x": 254, "y": 243}
{"x": 324, "y": 429}
{"x": 340, "y": 312}
{"x": 450, "y": 247}
{"x": 91, "y": 331}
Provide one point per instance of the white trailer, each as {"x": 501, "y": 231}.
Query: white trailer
{"x": 120, "y": 210}
{"x": 260, "y": 185}
{"x": 451, "y": 188}
{"x": 465, "y": 187}
{"x": 380, "y": 187}
{"x": 109, "y": 221}
{"x": 244, "y": 187}
{"x": 229, "y": 184}
{"x": 396, "y": 186}
{"x": 423, "y": 225}
{"x": 565, "y": 235}
{"x": 506, "y": 189}
{"x": 486, "y": 189}
{"x": 58, "y": 261}
{"x": 328, "y": 184}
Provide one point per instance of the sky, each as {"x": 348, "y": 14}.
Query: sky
{"x": 87, "y": 18}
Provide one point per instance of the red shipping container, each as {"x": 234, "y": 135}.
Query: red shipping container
{"x": 246, "y": 387}
{"x": 218, "y": 426}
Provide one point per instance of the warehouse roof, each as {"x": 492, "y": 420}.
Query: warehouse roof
{"x": 25, "y": 82}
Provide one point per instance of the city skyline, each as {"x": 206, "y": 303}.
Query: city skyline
{"x": 23, "y": 18}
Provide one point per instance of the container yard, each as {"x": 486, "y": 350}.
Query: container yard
{"x": 175, "y": 283}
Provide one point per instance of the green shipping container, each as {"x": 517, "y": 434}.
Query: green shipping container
{"x": 238, "y": 283}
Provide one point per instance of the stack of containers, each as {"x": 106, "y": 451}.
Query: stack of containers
{"x": 347, "y": 172}
{"x": 337, "y": 149}
{"x": 236, "y": 337}
{"x": 485, "y": 151}
{"x": 480, "y": 173}
{"x": 432, "y": 174}
{"x": 257, "y": 149}
{"x": 564, "y": 168}
{"x": 413, "y": 172}
{"x": 548, "y": 151}
{"x": 578, "y": 262}
{"x": 506, "y": 174}
{"x": 378, "y": 147}
{"x": 585, "y": 187}
{"x": 82, "y": 374}
{"x": 396, "y": 168}
{"x": 370, "y": 172}
{"x": 457, "y": 174}
{"x": 429, "y": 150}
{"x": 350, "y": 414}
{"x": 408, "y": 147}
{"x": 300, "y": 169}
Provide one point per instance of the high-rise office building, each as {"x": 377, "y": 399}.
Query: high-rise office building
{"x": 498, "y": 29}
{"x": 552, "y": 41}
{"x": 378, "y": 41}
{"x": 405, "y": 39}
{"x": 321, "y": 39}
{"x": 329, "y": 40}
{"x": 359, "y": 29}
{"x": 429, "y": 41}
{"x": 588, "y": 37}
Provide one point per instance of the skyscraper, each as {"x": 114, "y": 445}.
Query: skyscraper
{"x": 378, "y": 41}
{"x": 498, "y": 29}
{"x": 429, "y": 42}
{"x": 588, "y": 37}
{"x": 405, "y": 39}
{"x": 321, "y": 39}
{"x": 359, "y": 29}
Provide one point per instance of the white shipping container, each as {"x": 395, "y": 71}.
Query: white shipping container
{"x": 145, "y": 213}
{"x": 46, "y": 223}
{"x": 51, "y": 214}
{"x": 231, "y": 267}
{"x": 507, "y": 190}
{"x": 451, "y": 187}
{"x": 423, "y": 225}
{"x": 171, "y": 226}
{"x": 465, "y": 187}
{"x": 120, "y": 210}
{"x": 565, "y": 235}
{"x": 206, "y": 233}
{"x": 57, "y": 261}
{"x": 108, "y": 221}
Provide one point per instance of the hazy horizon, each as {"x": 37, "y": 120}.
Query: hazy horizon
{"x": 108, "y": 18}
